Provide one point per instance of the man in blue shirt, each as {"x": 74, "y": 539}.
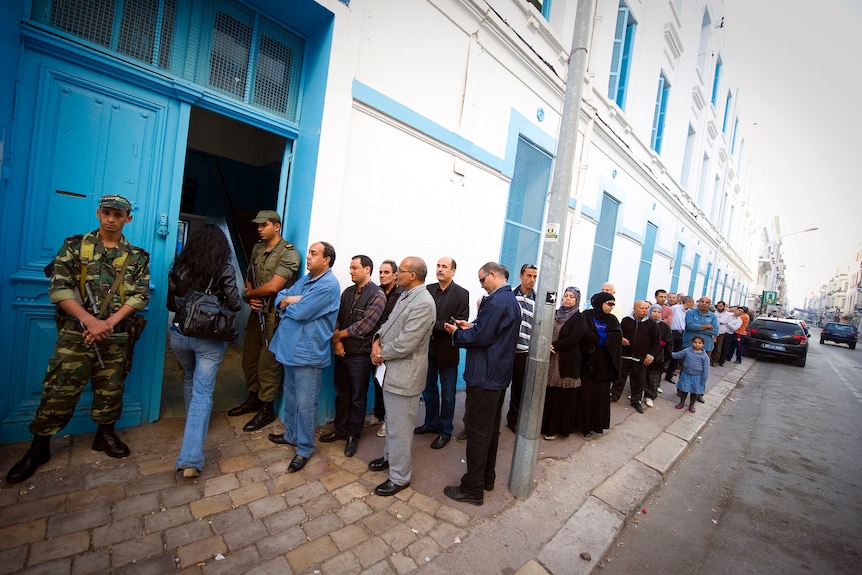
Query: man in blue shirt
{"x": 490, "y": 342}
{"x": 308, "y": 311}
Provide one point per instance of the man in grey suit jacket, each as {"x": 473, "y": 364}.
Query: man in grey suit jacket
{"x": 401, "y": 346}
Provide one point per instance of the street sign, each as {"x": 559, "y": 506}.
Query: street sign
{"x": 770, "y": 297}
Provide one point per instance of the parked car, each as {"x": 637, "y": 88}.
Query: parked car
{"x": 839, "y": 333}
{"x": 777, "y": 337}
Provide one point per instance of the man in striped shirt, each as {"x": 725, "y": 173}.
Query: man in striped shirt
{"x": 526, "y": 297}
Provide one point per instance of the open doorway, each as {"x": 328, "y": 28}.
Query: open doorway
{"x": 232, "y": 170}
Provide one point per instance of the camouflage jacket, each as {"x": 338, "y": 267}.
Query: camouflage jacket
{"x": 134, "y": 290}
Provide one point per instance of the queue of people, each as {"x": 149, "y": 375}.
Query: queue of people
{"x": 403, "y": 332}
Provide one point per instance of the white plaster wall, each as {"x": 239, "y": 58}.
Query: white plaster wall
{"x": 388, "y": 191}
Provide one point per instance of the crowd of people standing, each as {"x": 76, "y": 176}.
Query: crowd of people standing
{"x": 402, "y": 334}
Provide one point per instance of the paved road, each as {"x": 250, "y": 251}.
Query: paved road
{"x": 773, "y": 486}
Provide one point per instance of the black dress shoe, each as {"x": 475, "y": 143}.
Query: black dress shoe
{"x": 422, "y": 430}
{"x": 379, "y": 464}
{"x": 278, "y": 439}
{"x": 250, "y": 405}
{"x": 513, "y": 427}
{"x": 638, "y": 407}
{"x": 297, "y": 463}
{"x": 455, "y": 493}
{"x": 388, "y": 488}
{"x": 332, "y": 436}
{"x": 669, "y": 378}
{"x": 700, "y": 399}
{"x": 489, "y": 487}
{"x": 462, "y": 436}
{"x": 440, "y": 442}
{"x": 350, "y": 448}
{"x": 261, "y": 419}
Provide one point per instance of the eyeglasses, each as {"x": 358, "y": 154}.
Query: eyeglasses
{"x": 482, "y": 279}
{"x": 610, "y": 303}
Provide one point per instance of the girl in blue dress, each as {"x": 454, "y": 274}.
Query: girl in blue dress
{"x": 695, "y": 372}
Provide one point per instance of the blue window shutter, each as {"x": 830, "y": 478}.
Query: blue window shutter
{"x": 677, "y": 265}
{"x": 645, "y": 266}
{"x": 706, "y": 279}
{"x": 715, "y": 80}
{"x": 660, "y": 110}
{"x": 726, "y": 113}
{"x": 525, "y": 210}
{"x": 694, "y": 269}
{"x": 603, "y": 248}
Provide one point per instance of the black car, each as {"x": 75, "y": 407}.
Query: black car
{"x": 839, "y": 333}
{"x": 776, "y": 337}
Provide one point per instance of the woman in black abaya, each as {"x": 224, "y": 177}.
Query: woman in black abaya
{"x": 590, "y": 348}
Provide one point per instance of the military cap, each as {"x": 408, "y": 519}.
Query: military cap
{"x": 116, "y": 202}
{"x": 264, "y": 216}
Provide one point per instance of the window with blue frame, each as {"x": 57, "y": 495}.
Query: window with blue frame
{"x": 733, "y": 138}
{"x": 543, "y": 6}
{"x": 219, "y": 44}
{"x": 522, "y": 230}
{"x": 603, "y": 246}
{"x": 716, "y": 77}
{"x": 645, "y": 266}
{"x": 621, "y": 57}
{"x": 660, "y": 110}
{"x": 726, "y": 113}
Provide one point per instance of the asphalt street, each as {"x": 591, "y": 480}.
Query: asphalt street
{"x": 772, "y": 485}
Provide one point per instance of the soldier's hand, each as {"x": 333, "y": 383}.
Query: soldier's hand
{"x": 97, "y": 330}
{"x": 255, "y": 302}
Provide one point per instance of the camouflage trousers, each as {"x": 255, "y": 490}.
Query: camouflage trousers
{"x": 69, "y": 369}
{"x": 263, "y": 374}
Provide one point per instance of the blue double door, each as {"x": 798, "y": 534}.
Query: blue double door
{"x": 80, "y": 134}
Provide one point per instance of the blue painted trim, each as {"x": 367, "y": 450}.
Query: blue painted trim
{"x": 517, "y": 124}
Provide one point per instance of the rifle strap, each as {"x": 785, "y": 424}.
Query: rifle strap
{"x": 87, "y": 252}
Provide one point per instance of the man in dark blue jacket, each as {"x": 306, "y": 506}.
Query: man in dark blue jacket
{"x": 490, "y": 342}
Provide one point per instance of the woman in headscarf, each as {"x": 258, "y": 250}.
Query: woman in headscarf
{"x": 591, "y": 349}
{"x": 659, "y": 364}
{"x": 559, "y": 414}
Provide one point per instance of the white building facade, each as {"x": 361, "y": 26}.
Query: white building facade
{"x": 386, "y": 127}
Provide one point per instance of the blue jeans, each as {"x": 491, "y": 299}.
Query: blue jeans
{"x": 440, "y": 407}
{"x": 200, "y": 360}
{"x": 301, "y": 390}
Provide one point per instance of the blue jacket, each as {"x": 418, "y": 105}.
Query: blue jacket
{"x": 492, "y": 340}
{"x": 693, "y": 323}
{"x": 302, "y": 337}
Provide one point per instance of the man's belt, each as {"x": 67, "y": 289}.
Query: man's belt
{"x": 677, "y": 331}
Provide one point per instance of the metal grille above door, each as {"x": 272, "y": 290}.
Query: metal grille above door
{"x": 217, "y": 43}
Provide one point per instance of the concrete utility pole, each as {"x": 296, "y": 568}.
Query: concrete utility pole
{"x": 533, "y": 400}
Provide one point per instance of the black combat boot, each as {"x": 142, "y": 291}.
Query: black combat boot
{"x": 265, "y": 416}
{"x": 250, "y": 405}
{"x": 106, "y": 440}
{"x": 39, "y": 453}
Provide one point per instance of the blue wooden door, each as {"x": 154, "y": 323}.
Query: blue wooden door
{"x": 80, "y": 135}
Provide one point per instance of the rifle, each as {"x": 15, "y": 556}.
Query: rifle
{"x": 260, "y": 313}
{"x": 94, "y": 346}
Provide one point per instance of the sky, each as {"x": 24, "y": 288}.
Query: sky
{"x": 796, "y": 63}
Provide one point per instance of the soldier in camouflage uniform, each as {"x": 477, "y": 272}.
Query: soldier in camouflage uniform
{"x": 86, "y": 340}
{"x": 273, "y": 266}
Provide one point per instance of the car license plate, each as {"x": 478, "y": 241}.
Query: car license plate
{"x": 774, "y": 346}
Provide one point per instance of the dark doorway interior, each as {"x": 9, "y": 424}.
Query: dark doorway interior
{"x": 232, "y": 170}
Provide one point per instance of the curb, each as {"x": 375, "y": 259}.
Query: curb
{"x": 599, "y": 521}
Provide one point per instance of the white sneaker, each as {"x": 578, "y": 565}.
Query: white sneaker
{"x": 551, "y": 437}
{"x": 648, "y": 402}
{"x": 659, "y": 390}
{"x": 381, "y": 432}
